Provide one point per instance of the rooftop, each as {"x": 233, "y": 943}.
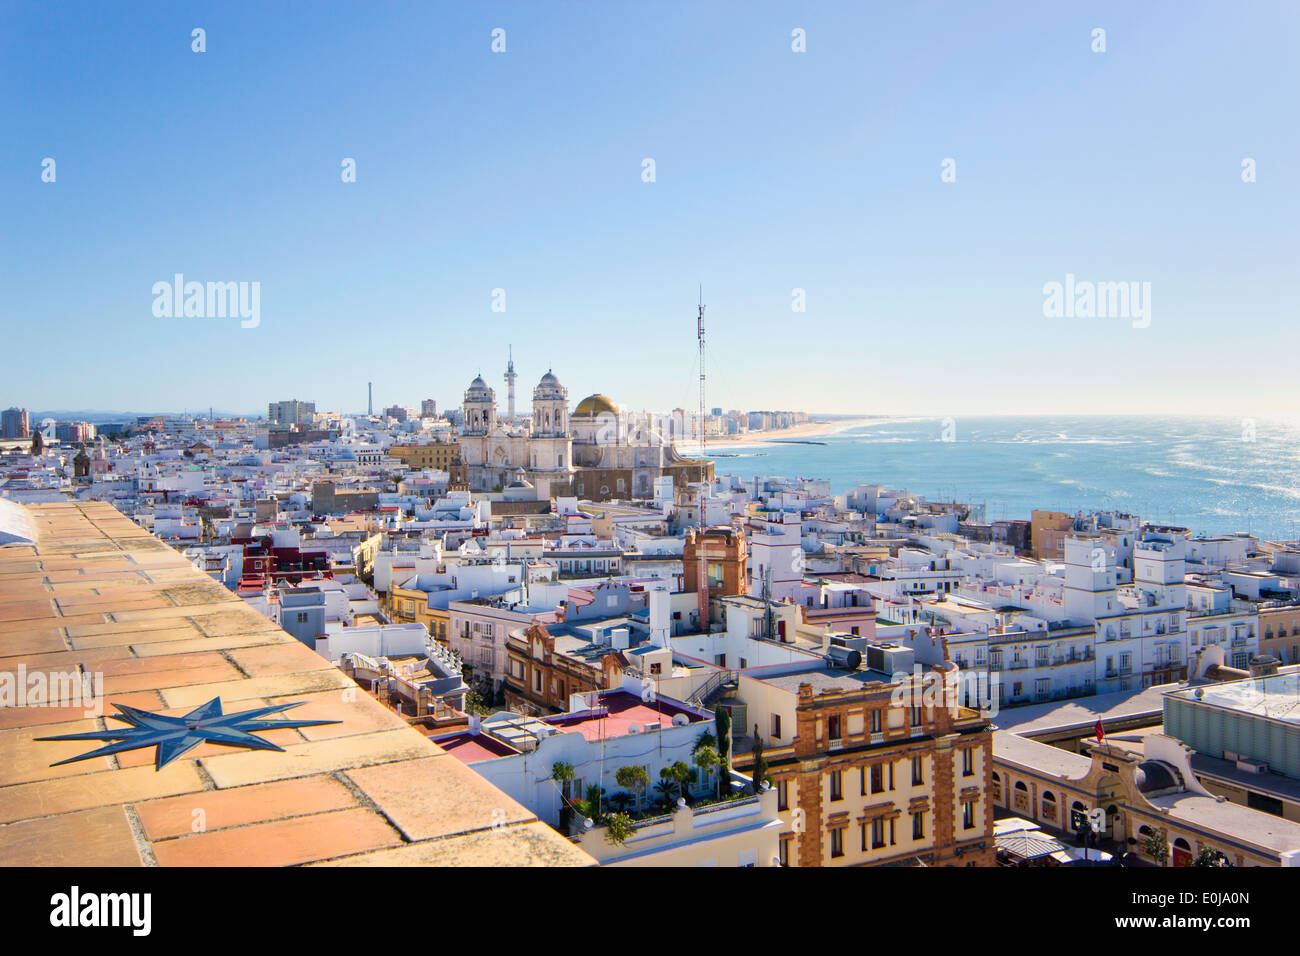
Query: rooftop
{"x": 1276, "y": 696}
{"x": 618, "y": 712}
{"x": 97, "y": 595}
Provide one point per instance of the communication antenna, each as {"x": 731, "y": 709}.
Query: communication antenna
{"x": 702, "y": 574}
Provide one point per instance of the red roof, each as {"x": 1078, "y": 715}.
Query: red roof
{"x": 470, "y": 748}
{"x": 623, "y": 710}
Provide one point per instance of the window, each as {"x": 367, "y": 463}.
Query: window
{"x": 1049, "y": 805}
{"x": 918, "y": 825}
{"x": 834, "y": 724}
{"x": 837, "y": 842}
{"x": 776, "y": 726}
{"x": 783, "y": 794}
{"x": 877, "y": 833}
{"x": 968, "y": 814}
{"x": 302, "y": 617}
{"x": 878, "y": 778}
{"x": 876, "y": 721}
{"x": 916, "y": 716}
{"x": 916, "y": 772}
{"x": 785, "y": 851}
{"x": 837, "y": 790}
{"x": 968, "y": 762}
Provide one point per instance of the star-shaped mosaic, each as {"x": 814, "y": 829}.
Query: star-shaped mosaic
{"x": 176, "y": 736}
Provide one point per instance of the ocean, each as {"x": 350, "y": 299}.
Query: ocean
{"x": 1215, "y": 475}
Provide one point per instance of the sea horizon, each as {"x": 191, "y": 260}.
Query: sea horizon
{"x": 1213, "y": 474}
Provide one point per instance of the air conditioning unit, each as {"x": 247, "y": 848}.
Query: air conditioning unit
{"x": 1252, "y": 766}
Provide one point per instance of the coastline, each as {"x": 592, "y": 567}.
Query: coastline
{"x": 810, "y": 431}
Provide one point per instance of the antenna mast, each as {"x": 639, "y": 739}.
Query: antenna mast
{"x": 702, "y": 576}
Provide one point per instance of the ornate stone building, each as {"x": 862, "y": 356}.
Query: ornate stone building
{"x": 596, "y": 453}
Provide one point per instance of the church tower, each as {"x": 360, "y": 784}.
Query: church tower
{"x": 510, "y": 386}
{"x": 550, "y": 450}
{"x": 550, "y": 408}
{"x": 480, "y": 409}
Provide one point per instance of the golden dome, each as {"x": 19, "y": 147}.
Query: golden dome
{"x": 594, "y": 405}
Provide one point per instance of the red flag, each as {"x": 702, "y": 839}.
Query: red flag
{"x": 1097, "y": 729}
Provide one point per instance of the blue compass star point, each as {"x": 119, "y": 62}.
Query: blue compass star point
{"x": 176, "y": 736}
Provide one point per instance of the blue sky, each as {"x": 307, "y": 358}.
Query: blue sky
{"x": 775, "y": 170}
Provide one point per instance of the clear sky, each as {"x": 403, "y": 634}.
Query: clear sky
{"x": 774, "y": 171}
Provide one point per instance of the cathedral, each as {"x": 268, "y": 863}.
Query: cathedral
{"x": 595, "y": 452}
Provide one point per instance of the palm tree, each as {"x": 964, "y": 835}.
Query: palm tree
{"x": 673, "y": 781}
{"x": 666, "y": 787}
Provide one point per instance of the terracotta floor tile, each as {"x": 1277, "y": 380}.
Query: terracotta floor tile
{"x": 436, "y": 797}
{"x": 176, "y": 632}
{"x": 176, "y": 816}
{"x": 136, "y": 665}
{"x": 199, "y": 643}
{"x": 271, "y": 659}
{"x": 100, "y": 837}
{"x": 301, "y": 760}
{"x": 25, "y": 801}
{"x": 17, "y": 717}
{"x": 64, "y": 659}
{"x": 26, "y": 610}
{"x": 356, "y": 712}
{"x": 281, "y": 843}
{"x": 525, "y": 844}
{"x": 180, "y": 677}
{"x": 33, "y": 640}
{"x": 124, "y": 627}
{"x": 256, "y": 687}
{"x": 19, "y": 627}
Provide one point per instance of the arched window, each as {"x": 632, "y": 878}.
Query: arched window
{"x": 1020, "y": 798}
{"x": 1049, "y": 805}
{"x": 997, "y": 788}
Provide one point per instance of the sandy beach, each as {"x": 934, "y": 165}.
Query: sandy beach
{"x": 810, "y": 431}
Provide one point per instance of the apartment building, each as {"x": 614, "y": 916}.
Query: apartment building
{"x": 871, "y": 779}
{"x": 14, "y": 423}
{"x": 1279, "y": 630}
{"x": 438, "y": 455}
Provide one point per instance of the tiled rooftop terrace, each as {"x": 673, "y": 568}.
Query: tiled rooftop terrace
{"x": 98, "y": 594}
